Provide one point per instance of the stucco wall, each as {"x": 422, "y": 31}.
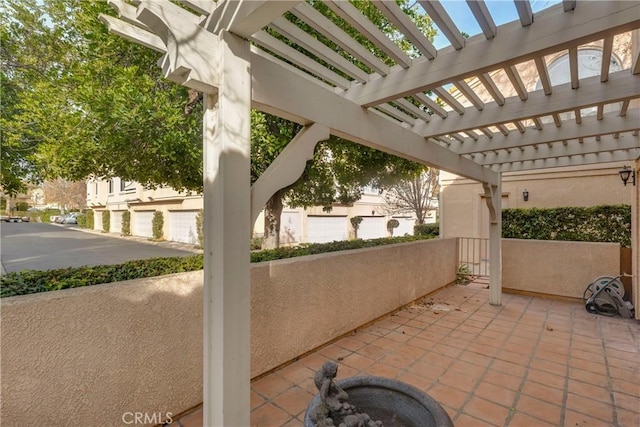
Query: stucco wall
{"x": 464, "y": 211}
{"x": 556, "y": 268}
{"x": 88, "y": 356}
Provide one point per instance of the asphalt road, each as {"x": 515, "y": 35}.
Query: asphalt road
{"x": 37, "y": 246}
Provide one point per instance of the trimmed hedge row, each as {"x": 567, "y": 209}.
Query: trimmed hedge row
{"x": 610, "y": 223}
{"x": 31, "y": 281}
{"x": 432, "y": 230}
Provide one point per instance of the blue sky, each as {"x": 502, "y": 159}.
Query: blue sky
{"x": 503, "y": 11}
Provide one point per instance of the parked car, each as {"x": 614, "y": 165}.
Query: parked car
{"x": 15, "y": 219}
{"x": 70, "y": 218}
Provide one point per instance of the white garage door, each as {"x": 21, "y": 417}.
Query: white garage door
{"x": 405, "y": 227}
{"x": 97, "y": 220}
{"x": 116, "y": 222}
{"x": 143, "y": 223}
{"x": 372, "y": 227}
{"x": 182, "y": 227}
{"x": 290, "y": 227}
{"x": 323, "y": 229}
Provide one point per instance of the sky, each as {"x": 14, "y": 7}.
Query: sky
{"x": 502, "y": 11}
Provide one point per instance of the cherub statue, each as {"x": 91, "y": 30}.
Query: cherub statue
{"x": 330, "y": 394}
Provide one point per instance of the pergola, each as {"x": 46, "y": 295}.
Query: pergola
{"x": 332, "y": 84}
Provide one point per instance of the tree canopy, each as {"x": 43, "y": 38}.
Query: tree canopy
{"x": 79, "y": 102}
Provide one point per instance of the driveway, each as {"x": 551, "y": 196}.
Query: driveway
{"x": 37, "y": 246}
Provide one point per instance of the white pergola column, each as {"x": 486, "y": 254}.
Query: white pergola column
{"x": 493, "y": 198}
{"x": 635, "y": 241}
{"x": 227, "y": 142}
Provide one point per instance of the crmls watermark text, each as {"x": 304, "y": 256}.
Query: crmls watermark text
{"x": 133, "y": 418}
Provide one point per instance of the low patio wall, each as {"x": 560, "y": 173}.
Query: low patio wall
{"x": 103, "y": 355}
{"x": 556, "y": 267}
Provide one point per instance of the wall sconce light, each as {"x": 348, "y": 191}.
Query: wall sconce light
{"x": 525, "y": 195}
{"x": 626, "y": 174}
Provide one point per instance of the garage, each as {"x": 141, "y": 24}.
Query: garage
{"x": 290, "y": 230}
{"x": 182, "y": 227}
{"x": 97, "y": 220}
{"x": 143, "y": 223}
{"x": 405, "y": 227}
{"x": 323, "y": 229}
{"x": 116, "y": 222}
{"x": 372, "y": 227}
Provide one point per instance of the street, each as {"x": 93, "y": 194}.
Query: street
{"x": 37, "y": 246}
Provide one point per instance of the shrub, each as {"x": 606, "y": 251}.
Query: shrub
{"x": 45, "y": 216}
{"x": 158, "y": 225}
{"x": 106, "y": 221}
{"x": 30, "y": 281}
{"x": 200, "y": 227}
{"x": 82, "y": 220}
{"x": 90, "y": 219}
{"x": 22, "y": 206}
{"x": 610, "y": 223}
{"x": 256, "y": 243}
{"x": 126, "y": 223}
{"x": 431, "y": 230}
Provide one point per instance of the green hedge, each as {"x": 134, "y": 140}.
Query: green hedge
{"x": 157, "y": 225}
{"x": 30, "y": 281}
{"x": 126, "y": 223}
{"x": 45, "y": 216}
{"x": 595, "y": 224}
{"x": 106, "y": 221}
{"x": 431, "y": 230}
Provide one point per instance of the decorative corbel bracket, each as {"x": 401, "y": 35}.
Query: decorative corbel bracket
{"x": 287, "y": 167}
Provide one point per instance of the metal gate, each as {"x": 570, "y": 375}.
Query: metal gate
{"x": 473, "y": 252}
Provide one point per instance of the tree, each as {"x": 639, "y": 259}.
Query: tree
{"x": 78, "y": 102}
{"x": 340, "y": 168}
{"x": 66, "y": 194}
{"x": 413, "y": 195}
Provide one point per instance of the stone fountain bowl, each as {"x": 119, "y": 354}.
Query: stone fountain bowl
{"x": 393, "y": 402}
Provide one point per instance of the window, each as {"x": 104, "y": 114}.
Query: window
{"x": 589, "y": 64}
{"x": 110, "y": 183}
{"x": 127, "y": 186}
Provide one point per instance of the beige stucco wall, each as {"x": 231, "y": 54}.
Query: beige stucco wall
{"x": 556, "y": 268}
{"x": 87, "y": 356}
{"x": 464, "y": 212}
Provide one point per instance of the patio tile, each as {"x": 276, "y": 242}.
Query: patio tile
{"x": 269, "y": 415}
{"x": 627, "y": 418}
{"x": 598, "y": 393}
{"x": 478, "y": 363}
{"x": 271, "y": 386}
{"x": 626, "y": 401}
{"x": 194, "y": 419}
{"x": 587, "y": 406}
{"x": 294, "y": 400}
{"x": 573, "y": 419}
{"x": 543, "y": 392}
{"x": 545, "y": 411}
{"x": 459, "y": 380}
{"x": 487, "y": 411}
{"x": 465, "y": 420}
{"x": 496, "y": 394}
{"x": 547, "y": 378}
{"x": 632, "y": 388}
{"x": 503, "y": 380}
{"x": 524, "y": 420}
{"x": 357, "y": 361}
{"x": 448, "y": 396}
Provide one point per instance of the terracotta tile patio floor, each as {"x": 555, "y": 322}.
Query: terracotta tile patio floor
{"x": 530, "y": 362}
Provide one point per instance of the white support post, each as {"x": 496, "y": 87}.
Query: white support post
{"x": 227, "y": 198}
{"x": 493, "y": 197}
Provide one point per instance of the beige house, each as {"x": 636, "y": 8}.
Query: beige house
{"x": 299, "y": 225}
